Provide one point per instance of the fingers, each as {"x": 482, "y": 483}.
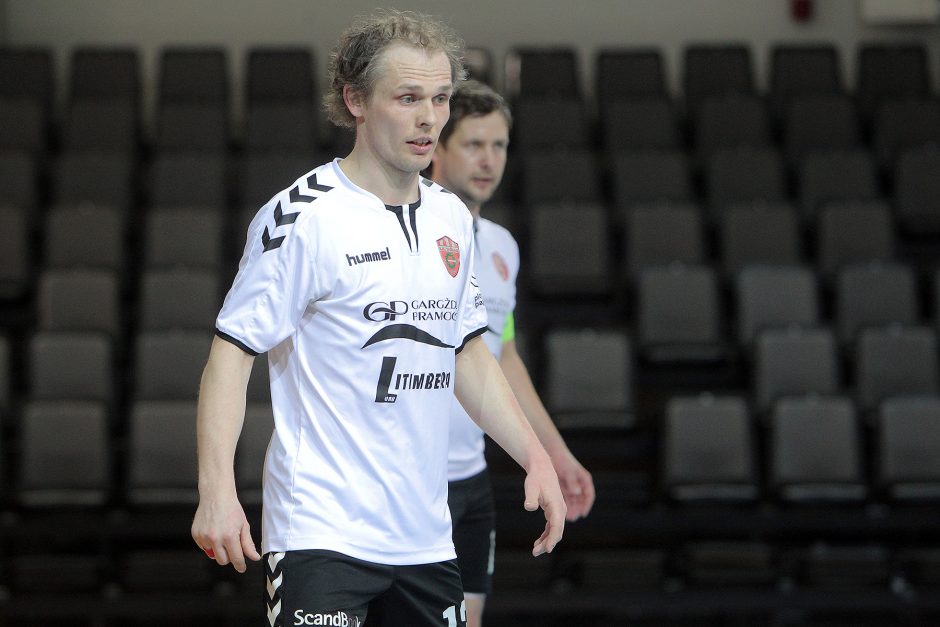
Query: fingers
{"x": 588, "y": 493}
{"x": 532, "y": 495}
{"x": 231, "y": 548}
{"x": 248, "y": 547}
{"x": 578, "y": 489}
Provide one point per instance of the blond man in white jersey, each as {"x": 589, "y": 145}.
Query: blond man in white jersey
{"x": 357, "y": 281}
{"x": 469, "y": 160}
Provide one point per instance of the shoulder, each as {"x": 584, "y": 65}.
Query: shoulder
{"x": 441, "y": 198}
{"x": 496, "y": 235}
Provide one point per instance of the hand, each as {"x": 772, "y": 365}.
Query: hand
{"x": 577, "y": 486}
{"x": 542, "y": 490}
{"x": 221, "y": 530}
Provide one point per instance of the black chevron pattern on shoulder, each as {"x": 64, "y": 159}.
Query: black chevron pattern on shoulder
{"x": 282, "y": 219}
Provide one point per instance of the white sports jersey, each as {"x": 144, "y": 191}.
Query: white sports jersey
{"x": 361, "y": 309}
{"x": 497, "y": 264}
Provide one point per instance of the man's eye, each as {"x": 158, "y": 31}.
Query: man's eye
{"x": 407, "y": 99}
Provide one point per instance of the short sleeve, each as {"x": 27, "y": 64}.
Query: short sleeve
{"x": 276, "y": 281}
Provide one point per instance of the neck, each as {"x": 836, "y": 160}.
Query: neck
{"x": 393, "y": 187}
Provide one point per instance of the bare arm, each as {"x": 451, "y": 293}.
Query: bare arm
{"x": 576, "y": 482}
{"x": 485, "y": 394}
{"x": 220, "y": 526}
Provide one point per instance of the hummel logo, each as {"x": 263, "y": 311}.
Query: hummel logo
{"x": 379, "y": 255}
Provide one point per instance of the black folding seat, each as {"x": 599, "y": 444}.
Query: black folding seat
{"x": 100, "y": 246}
{"x": 818, "y": 124}
{"x": 80, "y": 300}
{"x": 71, "y": 367}
{"x": 632, "y": 125}
{"x": 16, "y": 263}
{"x": 168, "y": 365}
{"x": 797, "y": 71}
{"x": 109, "y": 126}
{"x": 192, "y": 126}
{"x": 650, "y": 177}
{"x": 739, "y": 175}
{"x": 895, "y": 361}
{"x": 716, "y": 70}
{"x": 105, "y": 74}
{"x": 94, "y": 178}
{"x": 27, "y": 74}
{"x": 65, "y": 454}
{"x": 19, "y": 180}
{"x": 731, "y": 122}
{"x": 183, "y": 238}
{"x": 901, "y": 125}
{"x": 193, "y": 74}
{"x": 536, "y": 124}
{"x": 679, "y": 316}
{"x": 888, "y": 71}
{"x": 874, "y": 294}
{"x": 161, "y": 454}
{"x": 836, "y": 176}
{"x": 560, "y": 176}
{"x": 537, "y": 72}
{"x": 917, "y": 191}
{"x": 569, "y": 253}
{"x": 816, "y": 451}
{"x": 794, "y": 362}
{"x": 758, "y": 234}
{"x": 775, "y": 296}
{"x": 178, "y": 299}
{"x": 908, "y": 448}
{"x": 708, "y": 450}
{"x": 589, "y": 378}
{"x": 280, "y": 74}
{"x": 629, "y": 74}
{"x": 853, "y": 232}
{"x": 281, "y": 125}
{"x": 189, "y": 180}
{"x": 662, "y": 234}
{"x": 23, "y": 127}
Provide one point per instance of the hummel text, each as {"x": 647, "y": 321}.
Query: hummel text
{"x": 379, "y": 255}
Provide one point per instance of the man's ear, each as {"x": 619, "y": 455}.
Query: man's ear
{"x": 353, "y": 100}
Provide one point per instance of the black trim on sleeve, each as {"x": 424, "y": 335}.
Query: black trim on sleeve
{"x": 231, "y": 340}
{"x": 476, "y": 333}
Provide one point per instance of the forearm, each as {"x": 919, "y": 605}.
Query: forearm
{"x": 220, "y": 415}
{"x": 486, "y": 396}
{"x": 517, "y": 375}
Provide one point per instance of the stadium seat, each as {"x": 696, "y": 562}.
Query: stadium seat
{"x": 794, "y": 362}
{"x": 178, "y": 299}
{"x": 589, "y": 378}
{"x": 252, "y": 447}
{"x": 71, "y": 367}
{"x": 650, "y": 177}
{"x": 716, "y": 70}
{"x": 101, "y": 246}
{"x": 816, "y": 451}
{"x": 80, "y": 300}
{"x": 818, "y": 124}
{"x": 102, "y": 125}
{"x": 679, "y": 315}
{"x": 94, "y": 178}
{"x": 917, "y": 192}
{"x": 895, "y": 361}
{"x": 633, "y": 125}
{"x": 536, "y": 127}
{"x": 183, "y": 238}
{"x": 730, "y": 122}
{"x": 775, "y": 296}
{"x": 19, "y": 180}
{"x": 192, "y": 126}
{"x": 908, "y": 448}
{"x": 742, "y": 175}
{"x": 798, "y": 71}
{"x": 661, "y": 234}
{"x": 537, "y": 72}
{"x": 708, "y": 450}
{"x": 889, "y": 70}
{"x": 902, "y": 125}
{"x": 27, "y": 74}
{"x": 161, "y": 454}
{"x": 758, "y": 234}
{"x": 23, "y": 127}
{"x": 560, "y": 176}
{"x": 193, "y": 74}
{"x": 629, "y": 74}
{"x": 836, "y": 176}
{"x": 874, "y": 294}
{"x": 105, "y": 74}
{"x": 168, "y": 365}
{"x": 189, "y": 180}
{"x": 853, "y": 232}
{"x": 280, "y": 74}
{"x": 16, "y": 263}
{"x": 66, "y": 453}
{"x": 281, "y": 125}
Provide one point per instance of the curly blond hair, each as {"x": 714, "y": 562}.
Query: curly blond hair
{"x": 353, "y": 60}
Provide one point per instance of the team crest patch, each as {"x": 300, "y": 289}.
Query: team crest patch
{"x": 501, "y": 266}
{"x": 450, "y": 255}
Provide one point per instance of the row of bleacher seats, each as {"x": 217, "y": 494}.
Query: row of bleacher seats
{"x": 70, "y": 420}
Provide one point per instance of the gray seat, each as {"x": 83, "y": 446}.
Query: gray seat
{"x": 679, "y": 316}
{"x": 19, "y": 179}
{"x": 553, "y": 176}
{"x": 853, "y": 232}
{"x": 179, "y": 299}
{"x": 902, "y": 125}
{"x": 716, "y": 70}
{"x": 661, "y": 234}
{"x": 802, "y": 70}
{"x": 192, "y": 126}
{"x": 280, "y": 73}
{"x": 94, "y": 178}
{"x": 543, "y": 71}
{"x": 186, "y": 238}
{"x": 794, "y": 362}
{"x": 102, "y": 125}
{"x": 71, "y": 367}
{"x": 629, "y": 73}
{"x": 536, "y": 127}
{"x": 23, "y": 127}
{"x": 818, "y": 124}
{"x": 281, "y": 125}
{"x": 889, "y": 70}
{"x": 102, "y": 245}
{"x": 589, "y": 381}
{"x": 647, "y": 124}
{"x": 193, "y": 74}
{"x": 568, "y": 250}
{"x": 6, "y": 391}
{"x": 161, "y": 457}
{"x": 168, "y": 365}
{"x": 80, "y": 301}
{"x": 188, "y": 179}
{"x": 105, "y": 74}
{"x": 908, "y": 448}
{"x": 816, "y": 451}
{"x": 895, "y": 361}
{"x": 744, "y": 175}
{"x": 917, "y": 191}
{"x": 731, "y": 122}
{"x": 775, "y": 296}
{"x": 758, "y": 234}
{"x": 878, "y": 293}
{"x": 708, "y": 450}
{"x": 65, "y": 454}
{"x": 836, "y": 176}
{"x": 16, "y": 263}
{"x": 650, "y": 177}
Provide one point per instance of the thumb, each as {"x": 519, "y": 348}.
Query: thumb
{"x": 532, "y": 494}
{"x": 248, "y": 547}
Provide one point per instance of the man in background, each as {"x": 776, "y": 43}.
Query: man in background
{"x": 469, "y": 161}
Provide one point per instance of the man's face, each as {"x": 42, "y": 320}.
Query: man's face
{"x": 472, "y": 161}
{"x": 409, "y": 106}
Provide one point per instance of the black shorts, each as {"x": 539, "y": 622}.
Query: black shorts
{"x": 474, "y": 520}
{"x": 320, "y": 587}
